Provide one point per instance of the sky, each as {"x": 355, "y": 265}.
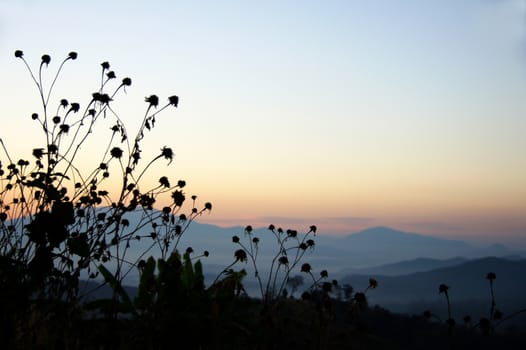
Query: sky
{"x": 343, "y": 114}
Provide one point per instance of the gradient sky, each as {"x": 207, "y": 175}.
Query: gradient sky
{"x": 343, "y": 114}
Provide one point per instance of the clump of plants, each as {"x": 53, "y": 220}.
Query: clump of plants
{"x": 59, "y": 222}
{"x": 486, "y": 324}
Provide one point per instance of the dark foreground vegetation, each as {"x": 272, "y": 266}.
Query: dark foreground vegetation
{"x": 60, "y": 225}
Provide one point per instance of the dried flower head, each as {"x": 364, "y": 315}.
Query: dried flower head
{"x": 306, "y": 268}
{"x": 153, "y": 100}
{"x": 173, "y": 100}
{"x": 46, "y": 59}
{"x": 240, "y": 255}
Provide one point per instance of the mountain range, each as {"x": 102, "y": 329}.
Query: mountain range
{"x": 409, "y": 267}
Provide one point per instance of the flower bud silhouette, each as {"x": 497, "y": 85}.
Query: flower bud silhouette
{"x": 167, "y": 153}
{"x": 306, "y": 267}
{"x": 178, "y": 198}
{"x": 19, "y": 54}
{"x": 46, "y": 59}
{"x": 164, "y": 181}
{"x": 240, "y": 255}
{"x": 73, "y": 55}
{"x": 283, "y": 260}
{"x": 491, "y": 276}
{"x": 74, "y": 107}
{"x": 153, "y": 100}
{"x": 116, "y": 152}
{"x": 443, "y": 288}
{"x": 173, "y": 100}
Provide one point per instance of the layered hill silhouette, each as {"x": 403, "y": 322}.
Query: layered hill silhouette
{"x": 469, "y": 289}
{"x": 408, "y": 266}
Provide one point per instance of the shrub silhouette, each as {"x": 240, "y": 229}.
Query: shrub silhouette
{"x": 58, "y": 223}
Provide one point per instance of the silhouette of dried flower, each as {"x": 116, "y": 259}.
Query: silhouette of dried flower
{"x": 153, "y": 100}
{"x": 126, "y": 81}
{"x": 56, "y": 119}
{"x": 283, "y": 260}
{"x": 64, "y": 103}
{"x": 46, "y": 59}
{"x": 173, "y": 100}
{"x": 178, "y": 198}
{"x": 34, "y": 116}
{"x": 240, "y": 255}
{"x": 189, "y": 250}
{"x": 102, "y": 98}
{"x": 116, "y": 152}
{"x": 64, "y": 128}
{"x": 19, "y": 54}
{"x": 292, "y": 233}
{"x": 52, "y": 149}
{"x": 324, "y": 274}
{"x": 74, "y": 107}
{"x": 313, "y": 229}
{"x": 105, "y": 65}
{"x": 235, "y": 239}
{"x": 73, "y": 55}
{"x": 167, "y": 153}
{"x": 178, "y": 230}
{"x": 111, "y": 75}
{"x": 206, "y": 253}
{"x": 306, "y": 268}
{"x": 38, "y": 153}
{"x": 271, "y": 227}
{"x": 164, "y": 181}
{"x": 491, "y": 276}
{"x": 443, "y": 288}
{"x": 208, "y": 206}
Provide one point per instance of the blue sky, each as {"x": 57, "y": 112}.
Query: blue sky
{"x": 346, "y": 114}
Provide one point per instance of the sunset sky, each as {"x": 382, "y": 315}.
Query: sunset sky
{"x": 344, "y": 114}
